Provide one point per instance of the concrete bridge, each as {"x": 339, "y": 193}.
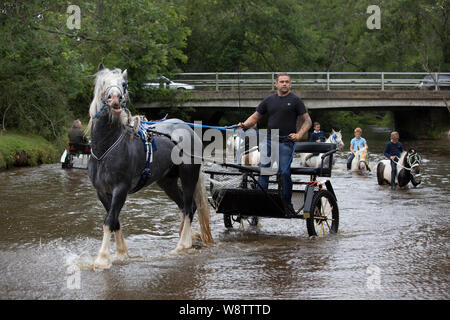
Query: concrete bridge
{"x": 337, "y": 100}
{"x": 415, "y": 111}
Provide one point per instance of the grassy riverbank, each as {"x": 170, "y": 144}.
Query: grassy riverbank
{"x": 17, "y": 149}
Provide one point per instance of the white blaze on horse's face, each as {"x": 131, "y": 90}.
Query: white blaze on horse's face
{"x": 114, "y": 90}
{"x": 337, "y": 138}
{"x": 110, "y": 89}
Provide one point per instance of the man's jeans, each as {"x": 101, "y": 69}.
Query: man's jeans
{"x": 283, "y": 159}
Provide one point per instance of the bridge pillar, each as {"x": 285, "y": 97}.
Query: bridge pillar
{"x": 418, "y": 123}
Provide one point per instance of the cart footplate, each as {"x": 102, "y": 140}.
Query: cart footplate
{"x": 249, "y": 202}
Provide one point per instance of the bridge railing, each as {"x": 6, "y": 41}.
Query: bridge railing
{"x": 317, "y": 80}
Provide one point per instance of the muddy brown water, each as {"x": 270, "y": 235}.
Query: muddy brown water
{"x": 391, "y": 245}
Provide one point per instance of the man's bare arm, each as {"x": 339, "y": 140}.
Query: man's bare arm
{"x": 306, "y": 125}
{"x": 251, "y": 121}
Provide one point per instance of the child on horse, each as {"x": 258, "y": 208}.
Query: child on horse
{"x": 392, "y": 151}
{"x": 356, "y": 143}
{"x": 318, "y": 135}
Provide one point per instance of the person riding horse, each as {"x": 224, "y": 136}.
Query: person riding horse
{"x": 318, "y": 135}
{"x": 356, "y": 143}
{"x": 392, "y": 151}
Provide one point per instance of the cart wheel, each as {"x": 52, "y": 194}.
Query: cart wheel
{"x": 230, "y": 220}
{"x": 325, "y": 215}
{"x": 68, "y": 162}
{"x": 227, "y": 221}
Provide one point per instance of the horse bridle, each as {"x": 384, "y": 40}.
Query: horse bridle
{"x": 122, "y": 91}
{"x": 411, "y": 163}
{"x": 334, "y": 139}
{"x": 415, "y": 162}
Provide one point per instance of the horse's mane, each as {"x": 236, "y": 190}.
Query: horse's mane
{"x": 402, "y": 159}
{"x": 103, "y": 79}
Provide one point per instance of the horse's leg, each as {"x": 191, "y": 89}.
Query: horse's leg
{"x": 111, "y": 224}
{"x": 188, "y": 176}
{"x": 121, "y": 246}
{"x": 170, "y": 187}
{"x": 102, "y": 260}
{"x": 403, "y": 177}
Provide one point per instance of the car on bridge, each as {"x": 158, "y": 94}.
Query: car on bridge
{"x": 165, "y": 83}
{"x": 428, "y": 82}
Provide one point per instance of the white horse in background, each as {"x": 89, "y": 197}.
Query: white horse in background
{"x": 361, "y": 160}
{"x": 313, "y": 160}
{"x": 237, "y": 144}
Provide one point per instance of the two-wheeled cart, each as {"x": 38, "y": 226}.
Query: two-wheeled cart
{"x": 237, "y": 194}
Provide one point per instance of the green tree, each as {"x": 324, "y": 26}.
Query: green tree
{"x": 47, "y": 68}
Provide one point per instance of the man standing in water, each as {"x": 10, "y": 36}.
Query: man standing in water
{"x": 283, "y": 108}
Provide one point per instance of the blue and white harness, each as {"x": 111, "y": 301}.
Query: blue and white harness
{"x": 149, "y": 146}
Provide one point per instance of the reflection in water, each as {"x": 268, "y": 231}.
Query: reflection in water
{"x": 52, "y": 225}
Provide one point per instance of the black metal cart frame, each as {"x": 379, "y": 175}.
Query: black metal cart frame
{"x": 75, "y": 150}
{"x": 316, "y": 203}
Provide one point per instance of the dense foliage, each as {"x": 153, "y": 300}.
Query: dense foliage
{"x": 47, "y": 67}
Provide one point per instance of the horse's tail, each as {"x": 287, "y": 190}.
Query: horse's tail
{"x": 380, "y": 173}
{"x": 201, "y": 200}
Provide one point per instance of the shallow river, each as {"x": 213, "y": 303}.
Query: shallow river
{"x": 391, "y": 245}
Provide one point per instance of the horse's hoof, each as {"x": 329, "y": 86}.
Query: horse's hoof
{"x": 179, "y": 249}
{"x": 121, "y": 256}
{"x": 196, "y": 236}
{"x": 175, "y": 251}
{"x": 102, "y": 262}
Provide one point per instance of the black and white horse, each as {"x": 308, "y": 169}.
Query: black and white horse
{"x": 408, "y": 162}
{"x": 121, "y": 163}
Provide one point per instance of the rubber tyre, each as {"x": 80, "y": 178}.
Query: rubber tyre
{"x": 325, "y": 208}
{"x": 228, "y": 221}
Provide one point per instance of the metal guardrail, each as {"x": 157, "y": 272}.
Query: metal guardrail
{"x": 315, "y": 80}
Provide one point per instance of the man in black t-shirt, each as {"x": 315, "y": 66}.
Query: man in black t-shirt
{"x": 283, "y": 108}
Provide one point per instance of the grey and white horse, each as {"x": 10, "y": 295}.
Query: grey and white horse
{"x": 236, "y": 144}
{"x": 121, "y": 163}
{"x": 361, "y": 161}
{"x": 314, "y": 160}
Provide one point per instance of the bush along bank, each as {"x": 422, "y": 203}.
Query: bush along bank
{"x": 26, "y": 150}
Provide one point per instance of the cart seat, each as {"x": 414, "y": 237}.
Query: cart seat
{"x": 79, "y": 148}
{"x": 321, "y": 172}
{"x": 325, "y": 149}
{"x": 314, "y": 147}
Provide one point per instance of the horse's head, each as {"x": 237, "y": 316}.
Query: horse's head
{"x": 235, "y": 142}
{"x": 362, "y": 158}
{"x": 413, "y": 160}
{"x": 110, "y": 92}
{"x": 336, "y": 137}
